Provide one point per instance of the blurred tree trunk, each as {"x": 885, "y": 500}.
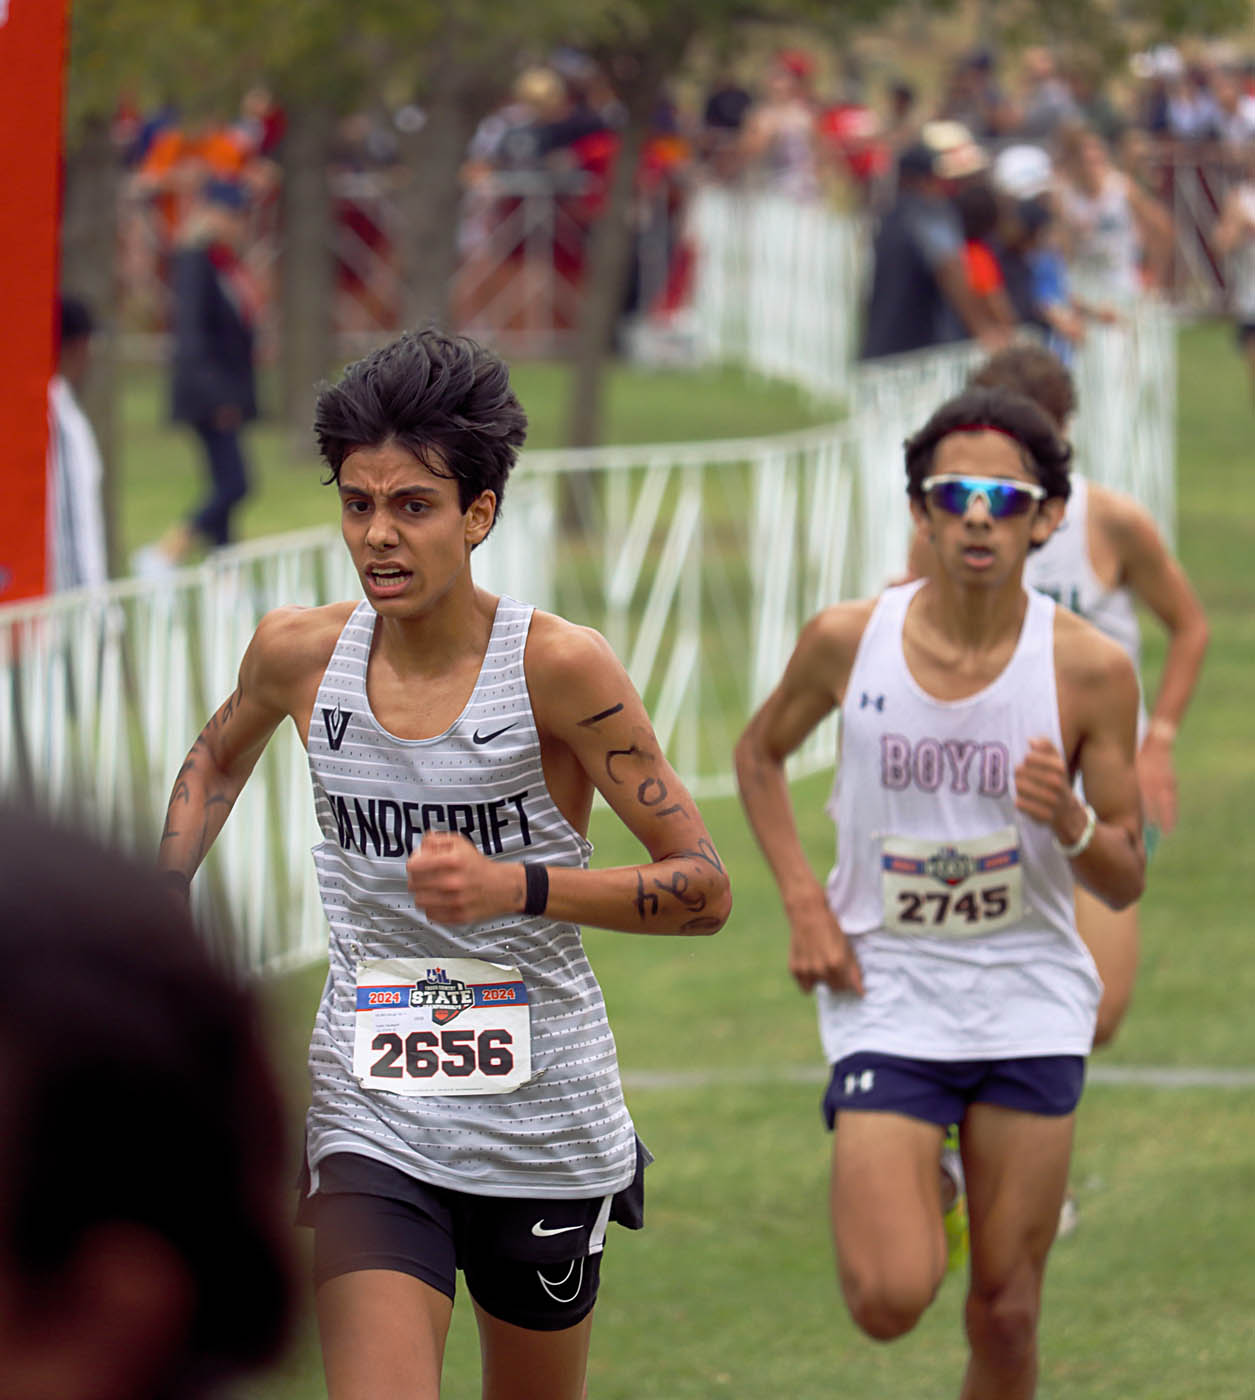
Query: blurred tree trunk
{"x": 611, "y": 248}
{"x": 307, "y": 269}
{"x": 430, "y": 203}
{"x": 89, "y": 254}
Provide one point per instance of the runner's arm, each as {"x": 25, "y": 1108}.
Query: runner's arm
{"x": 1100, "y": 686}
{"x": 1159, "y": 581}
{"x": 811, "y": 688}
{"x": 584, "y": 699}
{"x": 1154, "y": 224}
{"x": 1233, "y": 225}
{"x": 226, "y": 750}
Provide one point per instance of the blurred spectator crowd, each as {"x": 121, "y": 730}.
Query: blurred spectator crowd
{"x": 1025, "y": 188}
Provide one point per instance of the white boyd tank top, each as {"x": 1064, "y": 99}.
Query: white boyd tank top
{"x": 564, "y": 1133}
{"x": 913, "y": 766}
{"x": 1062, "y": 568}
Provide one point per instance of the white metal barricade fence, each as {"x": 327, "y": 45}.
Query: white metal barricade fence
{"x": 698, "y": 561}
{"x": 776, "y": 287}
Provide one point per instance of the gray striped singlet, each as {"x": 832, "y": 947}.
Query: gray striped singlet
{"x": 564, "y": 1133}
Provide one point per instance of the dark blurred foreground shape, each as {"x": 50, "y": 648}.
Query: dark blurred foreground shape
{"x": 141, "y": 1158}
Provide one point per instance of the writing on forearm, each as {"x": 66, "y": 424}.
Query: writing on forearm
{"x": 658, "y": 895}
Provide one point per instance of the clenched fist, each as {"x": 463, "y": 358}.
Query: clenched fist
{"x": 1043, "y": 791}
{"x": 454, "y": 883}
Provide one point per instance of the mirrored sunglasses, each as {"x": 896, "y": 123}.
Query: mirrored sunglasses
{"x": 1002, "y": 498}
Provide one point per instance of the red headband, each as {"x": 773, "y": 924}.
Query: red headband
{"x": 987, "y": 428}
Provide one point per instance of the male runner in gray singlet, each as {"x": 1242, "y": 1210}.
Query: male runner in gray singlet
{"x": 466, "y": 1111}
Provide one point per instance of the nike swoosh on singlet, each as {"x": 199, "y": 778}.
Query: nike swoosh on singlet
{"x": 539, "y": 1229}
{"x": 479, "y": 738}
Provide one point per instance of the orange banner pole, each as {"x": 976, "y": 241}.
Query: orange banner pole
{"x": 32, "y": 61}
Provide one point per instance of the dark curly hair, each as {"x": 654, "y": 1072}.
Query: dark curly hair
{"x": 1035, "y": 372}
{"x": 445, "y": 398}
{"x": 1043, "y": 450}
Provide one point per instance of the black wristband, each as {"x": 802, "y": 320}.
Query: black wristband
{"x": 537, "y": 877}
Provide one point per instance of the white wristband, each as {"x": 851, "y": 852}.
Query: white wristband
{"x": 1081, "y": 844}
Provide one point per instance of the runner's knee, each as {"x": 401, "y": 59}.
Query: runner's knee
{"x": 1002, "y": 1321}
{"x": 886, "y": 1308}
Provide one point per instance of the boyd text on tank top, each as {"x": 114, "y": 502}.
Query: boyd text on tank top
{"x": 958, "y": 908}
{"x": 564, "y": 1133}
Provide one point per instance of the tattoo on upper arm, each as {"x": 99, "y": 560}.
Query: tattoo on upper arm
{"x": 644, "y": 793}
{"x": 600, "y": 715}
{"x": 622, "y": 753}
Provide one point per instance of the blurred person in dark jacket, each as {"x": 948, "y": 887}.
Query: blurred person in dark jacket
{"x": 213, "y": 387}
{"x": 920, "y": 294}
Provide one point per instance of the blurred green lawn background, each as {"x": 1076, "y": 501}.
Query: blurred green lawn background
{"x": 730, "y": 1290}
{"x": 161, "y": 476}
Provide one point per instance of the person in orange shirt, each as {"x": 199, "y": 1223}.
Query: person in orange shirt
{"x": 977, "y": 207}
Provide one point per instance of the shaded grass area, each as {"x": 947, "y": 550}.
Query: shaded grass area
{"x": 160, "y": 477}
{"x": 730, "y": 1290}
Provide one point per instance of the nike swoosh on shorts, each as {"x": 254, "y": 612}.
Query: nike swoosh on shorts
{"x": 539, "y": 1229}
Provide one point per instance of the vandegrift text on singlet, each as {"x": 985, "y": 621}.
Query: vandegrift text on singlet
{"x": 383, "y": 826}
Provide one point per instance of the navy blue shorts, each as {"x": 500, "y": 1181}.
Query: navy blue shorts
{"x": 939, "y": 1091}
{"x": 532, "y": 1262}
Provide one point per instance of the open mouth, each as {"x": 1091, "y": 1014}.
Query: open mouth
{"x": 387, "y": 578}
{"x": 978, "y": 555}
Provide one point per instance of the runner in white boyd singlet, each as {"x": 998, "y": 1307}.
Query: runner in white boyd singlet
{"x": 953, "y": 986}
{"x": 946, "y": 976}
{"x": 461, "y": 1060}
{"x": 1106, "y": 557}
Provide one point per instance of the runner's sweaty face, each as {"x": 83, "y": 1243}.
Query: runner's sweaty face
{"x": 405, "y": 528}
{"x": 989, "y": 536}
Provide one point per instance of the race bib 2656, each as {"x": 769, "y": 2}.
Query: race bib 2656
{"x": 441, "y": 1026}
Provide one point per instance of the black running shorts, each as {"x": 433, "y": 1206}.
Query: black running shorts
{"x": 532, "y": 1262}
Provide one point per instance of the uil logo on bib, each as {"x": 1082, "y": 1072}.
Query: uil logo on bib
{"x": 443, "y": 995}
{"x": 950, "y": 866}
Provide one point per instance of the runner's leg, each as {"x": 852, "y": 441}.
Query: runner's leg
{"x": 522, "y": 1364}
{"x": 887, "y": 1218}
{"x": 1111, "y": 935}
{"x": 383, "y": 1335}
{"x": 1016, "y": 1166}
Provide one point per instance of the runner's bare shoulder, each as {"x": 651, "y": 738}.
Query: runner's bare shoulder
{"x": 293, "y": 644}
{"x": 1088, "y": 661}
{"x": 830, "y": 640}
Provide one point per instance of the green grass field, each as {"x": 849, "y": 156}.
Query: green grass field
{"x": 161, "y": 474}
{"x": 730, "y": 1290}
